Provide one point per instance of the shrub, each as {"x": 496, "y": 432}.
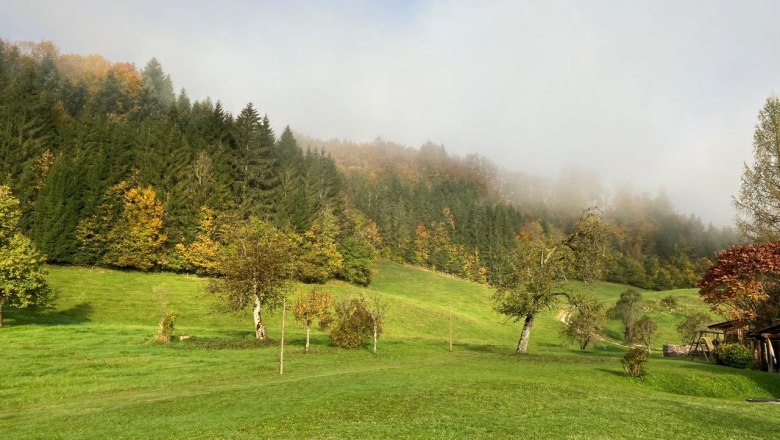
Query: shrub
{"x": 734, "y": 355}
{"x": 643, "y": 330}
{"x": 669, "y": 302}
{"x": 165, "y": 329}
{"x": 634, "y": 361}
{"x": 353, "y": 324}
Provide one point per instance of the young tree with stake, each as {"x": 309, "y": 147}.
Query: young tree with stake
{"x": 313, "y": 307}
{"x": 377, "y": 311}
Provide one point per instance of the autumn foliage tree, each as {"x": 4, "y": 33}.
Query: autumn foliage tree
{"x": 137, "y": 239}
{"x": 744, "y": 284}
{"x": 312, "y": 307}
{"x": 127, "y": 230}
{"x": 22, "y": 282}
{"x": 320, "y": 258}
{"x": 201, "y": 254}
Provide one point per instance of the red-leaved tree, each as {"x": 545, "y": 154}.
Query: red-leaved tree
{"x": 744, "y": 284}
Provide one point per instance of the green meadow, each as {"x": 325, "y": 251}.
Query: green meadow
{"x": 89, "y": 368}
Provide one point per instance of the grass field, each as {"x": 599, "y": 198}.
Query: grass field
{"x": 88, "y": 368}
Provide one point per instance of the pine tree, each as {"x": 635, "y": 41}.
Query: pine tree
{"x": 157, "y": 94}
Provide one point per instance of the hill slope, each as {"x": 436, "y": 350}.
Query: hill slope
{"x": 88, "y": 369}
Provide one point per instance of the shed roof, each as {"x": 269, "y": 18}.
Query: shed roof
{"x": 772, "y": 330}
{"x": 727, "y": 325}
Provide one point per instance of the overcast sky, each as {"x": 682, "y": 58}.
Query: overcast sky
{"x": 654, "y": 94}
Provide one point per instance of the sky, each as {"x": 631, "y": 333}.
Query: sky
{"x": 654, "y": 95}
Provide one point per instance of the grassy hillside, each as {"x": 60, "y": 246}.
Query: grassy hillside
{"x": 88, "y": 369}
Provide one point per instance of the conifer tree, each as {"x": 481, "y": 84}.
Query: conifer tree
{"x": 157, "y": 94}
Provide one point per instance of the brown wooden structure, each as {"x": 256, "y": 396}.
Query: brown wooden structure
{"x": 765, "y": 344}
{"x": 733, "y": 331}
{"x": 704, "y": 343}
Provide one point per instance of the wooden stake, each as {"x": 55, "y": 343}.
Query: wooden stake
{"x": 450, "y": 328}
{"x": 281, "y": 346}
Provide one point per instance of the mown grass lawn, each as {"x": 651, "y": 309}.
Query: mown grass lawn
{"x": 88, "y": 368}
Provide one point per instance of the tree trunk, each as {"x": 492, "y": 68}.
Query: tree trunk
{"x": 308, "y": 330}
{"x": 374, "y": 337}
{"x": 259, "y": 326}
{"x": 1, "y": 313}
{"x": 522, "y": 345}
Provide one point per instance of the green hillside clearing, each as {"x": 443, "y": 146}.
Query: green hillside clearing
{"x": 88, "y": 368}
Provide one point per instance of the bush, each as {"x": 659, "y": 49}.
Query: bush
{"x": 165, "y": 329}
{"x": 353, "y": 325}
{"x": 733, "y": 355}
{"x": 634, "y": 361}
{"x": 644, "y": 330}
{"x": 669, "y": 303}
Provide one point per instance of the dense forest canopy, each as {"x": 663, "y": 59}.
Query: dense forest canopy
{"x": 113, "y": 167}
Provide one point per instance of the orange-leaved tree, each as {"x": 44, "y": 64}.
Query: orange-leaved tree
{"x": 744, "y": 284}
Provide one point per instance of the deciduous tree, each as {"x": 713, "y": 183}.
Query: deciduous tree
{"x": 22, "y": 282}
{"x": 587, "y": 320}
{"x": 758, "y": 202}
{"x": 255, "y": 268}
{"x": 312, "y": 307}
{"x": 201, "y": 254}
{"x": 542, "y": 265}
{"x": 744, "y": 284}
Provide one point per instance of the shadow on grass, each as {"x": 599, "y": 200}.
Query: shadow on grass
{"x": 196, "y": 343}
{"x": 483, "y": 348}
{"x": 769, "y": 382}
{"x": 615, "y": 372}
{"x": 38, "y": 316}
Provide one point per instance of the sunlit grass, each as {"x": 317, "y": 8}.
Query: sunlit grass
{"x": 88, "y": 368}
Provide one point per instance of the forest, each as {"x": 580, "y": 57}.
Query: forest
{"x": 114, "y": 167}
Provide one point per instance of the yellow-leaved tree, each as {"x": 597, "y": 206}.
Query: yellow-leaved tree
{"x": 312, "y": 307}
{"x": 22, "y": 281}
{"x": 201, "y": 255}
{"x": 137, "y": 239}
{"x": 320, "y": 257}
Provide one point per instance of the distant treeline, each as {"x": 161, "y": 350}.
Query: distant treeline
{"x": 114, "y": 168}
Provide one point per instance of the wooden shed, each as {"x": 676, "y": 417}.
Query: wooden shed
{"x": 765, "y": 344}
{"x": 733, "y": 331}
